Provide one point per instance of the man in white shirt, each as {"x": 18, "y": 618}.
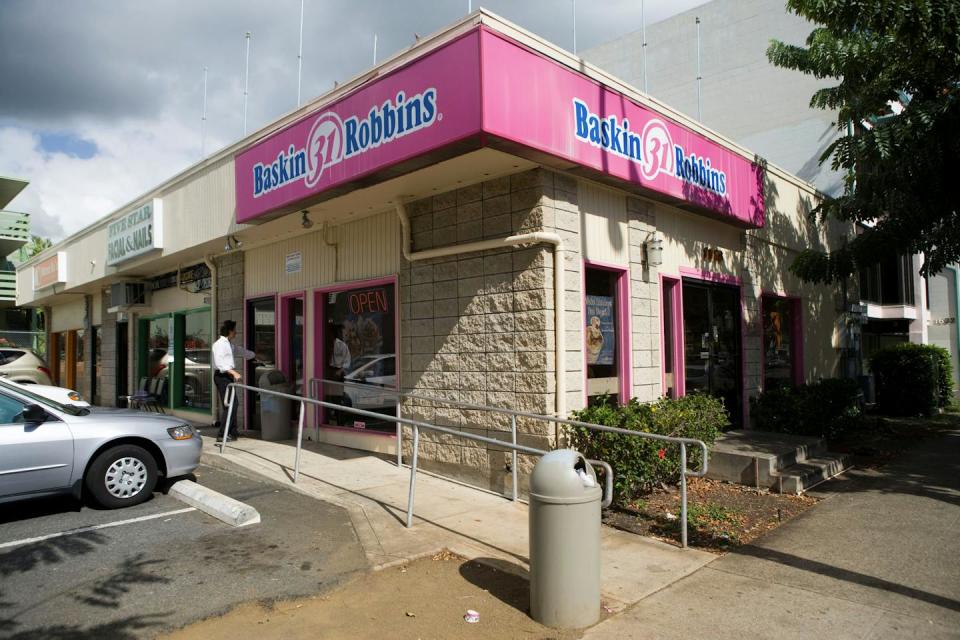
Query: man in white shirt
{"x": 225, "y": 372}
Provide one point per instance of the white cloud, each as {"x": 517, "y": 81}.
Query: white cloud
{"x": 128, "y": 78}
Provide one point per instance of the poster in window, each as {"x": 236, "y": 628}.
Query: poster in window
{"x": 600, "y": 330}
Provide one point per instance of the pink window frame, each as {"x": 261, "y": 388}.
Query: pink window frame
{"x": 284, "y": 354}
{"x": 624, "y": 327}
{"x": 677, "y": 346}
{"x": 796, "y": 338}
{"x": 318, "y": 342}
{"x": 246, "y": 336}
{"x": 722, "y": 278}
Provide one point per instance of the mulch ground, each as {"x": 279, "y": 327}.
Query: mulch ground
{"x": 720, "y": 515}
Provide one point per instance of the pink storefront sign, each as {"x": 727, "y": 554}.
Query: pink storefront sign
{"x": 487, "y": 88}
{"x": 430, "y": 103}
{"x": 539, "y": 103}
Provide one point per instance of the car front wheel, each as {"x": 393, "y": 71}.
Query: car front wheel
{"x": 122, "y": 476}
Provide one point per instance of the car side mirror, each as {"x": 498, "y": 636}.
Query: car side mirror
{"x": 34, "y": 414}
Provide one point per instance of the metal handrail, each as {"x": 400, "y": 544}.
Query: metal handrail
{"x": 416, "y": 426}
{"x": 681, "y": 441}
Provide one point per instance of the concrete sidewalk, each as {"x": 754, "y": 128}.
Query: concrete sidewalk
{"x": 878, "y": 558}
{"x": 468, "y": 521}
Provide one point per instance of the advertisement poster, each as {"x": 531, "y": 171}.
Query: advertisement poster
{"x": 601, "y": 335}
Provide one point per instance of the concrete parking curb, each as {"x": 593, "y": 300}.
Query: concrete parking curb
{"x": 221, "y": 507}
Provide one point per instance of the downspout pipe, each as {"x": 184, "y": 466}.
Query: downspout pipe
{"x": 519, "y": 240}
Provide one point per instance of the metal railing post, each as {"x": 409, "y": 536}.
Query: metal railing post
{"x": 513, "y": 464}
{"x": 683, "y": 495}
{"x": 399, "y": 436}
{"x": 413, "y": 476}
{"x": 296, "y": 462}
{"x": 231, "y": 395}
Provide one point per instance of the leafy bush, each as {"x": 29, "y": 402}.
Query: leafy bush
{"x": 912, "y": 379}
{"x": 639, "y": 463}
{"x": 825, "y": 409}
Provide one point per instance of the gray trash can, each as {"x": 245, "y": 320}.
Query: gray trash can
{"x": 565, "y": 541}
{"x": 275, "y": 412}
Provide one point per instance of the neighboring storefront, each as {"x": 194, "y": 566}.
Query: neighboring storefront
{"x": 418, "y": 230}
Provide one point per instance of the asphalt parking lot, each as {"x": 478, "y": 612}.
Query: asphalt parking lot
{"x": 72, "y": 571}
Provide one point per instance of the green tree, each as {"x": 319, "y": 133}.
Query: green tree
{"x": 898, "y": 164}
{"x": 38, "y": 245}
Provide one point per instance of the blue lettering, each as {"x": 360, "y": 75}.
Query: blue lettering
{"x": 678, "y": 161}
{"x": 351, "y": 136}
{"x": 429, "y": 105}
{"x": 257, "y": 179}
{"x": 580, "y": 113}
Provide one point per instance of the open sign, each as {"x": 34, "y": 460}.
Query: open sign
{"x": 374, "y": 301}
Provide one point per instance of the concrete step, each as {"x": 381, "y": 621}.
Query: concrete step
{"x": 754, "y": 458}
{"x": 805, "y": 475}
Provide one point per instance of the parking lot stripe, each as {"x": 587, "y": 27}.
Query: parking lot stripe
{"x": 106, "y": 525}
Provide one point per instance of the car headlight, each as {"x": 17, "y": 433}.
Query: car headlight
{"x": 183, "y": 432}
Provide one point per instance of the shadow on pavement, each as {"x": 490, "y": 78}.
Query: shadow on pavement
{"x": 846, "y": 575}
{"x": 503, "y": 580}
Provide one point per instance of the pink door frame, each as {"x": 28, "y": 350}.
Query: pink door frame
{"x": 284, "y": 354}
{"x": 319, "y": 336}
{"x": 719, "y": 278}
{"x": 796, "y": 337}
{"x": 624, "y": 326}
{"x": 677, "y": 346}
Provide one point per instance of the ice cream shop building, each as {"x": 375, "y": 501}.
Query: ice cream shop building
{"x": 483, "y": 217}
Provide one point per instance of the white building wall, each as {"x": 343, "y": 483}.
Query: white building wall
{"x": 762, "y": 107}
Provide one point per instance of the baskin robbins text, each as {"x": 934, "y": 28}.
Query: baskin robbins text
{"x": 652, "y": 149}
{"x": 332, "y": 140}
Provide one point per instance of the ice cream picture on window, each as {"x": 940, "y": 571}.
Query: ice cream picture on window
{"x": 600, "y": 332}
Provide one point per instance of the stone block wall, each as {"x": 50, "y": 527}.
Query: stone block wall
{"x": 230, "y": 269}
{"x": 107, "y": 382}
{"x": 478, "y": 327}
{"x": 644, "y": 304}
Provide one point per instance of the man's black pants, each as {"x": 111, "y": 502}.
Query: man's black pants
{"x": 222, "y": 380}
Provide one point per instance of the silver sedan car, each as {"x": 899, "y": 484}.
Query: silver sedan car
{"x": 114, "y": 456}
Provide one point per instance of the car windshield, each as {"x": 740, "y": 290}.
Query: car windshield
{"x": 24, "y": 390}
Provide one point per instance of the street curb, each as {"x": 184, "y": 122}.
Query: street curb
{"x": 221, "y": 507}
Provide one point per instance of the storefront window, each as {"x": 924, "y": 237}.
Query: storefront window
{"x": 194, "y": 379}
{"x": 159, "y": 354}
{"x": 602, "y": 333}
{"x": 780, "y": 342}
{"x": 95, "y": 382}
{"x": 359, "y": 340}
{"x": 80, "y": 349}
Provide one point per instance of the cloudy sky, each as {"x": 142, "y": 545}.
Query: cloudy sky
{"x": 100, "y": 100}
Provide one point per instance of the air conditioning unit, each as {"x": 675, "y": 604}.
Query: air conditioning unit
{"x": 124, "y": 295}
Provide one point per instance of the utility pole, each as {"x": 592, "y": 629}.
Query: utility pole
{"x": 643, "y": 47}
{"x": 300, "y": 54}
{"x": 246, "y": 84}
{"x": 699, "y": 76}
{"x": 574, "y": 27}
{"x": 374, "y": 49}
{"x": 203, "y": 117}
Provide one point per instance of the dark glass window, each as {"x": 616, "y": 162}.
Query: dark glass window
{"x": 601, "y": 333}
{"x": 779, "y": 345}
{"x": 360, "y": 353}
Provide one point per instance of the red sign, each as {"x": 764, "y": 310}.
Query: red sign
{"x": 51, "y": 271}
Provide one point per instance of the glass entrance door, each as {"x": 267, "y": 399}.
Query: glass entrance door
{"x": 261, "y": 337}
{"x": 712, "y": 355}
